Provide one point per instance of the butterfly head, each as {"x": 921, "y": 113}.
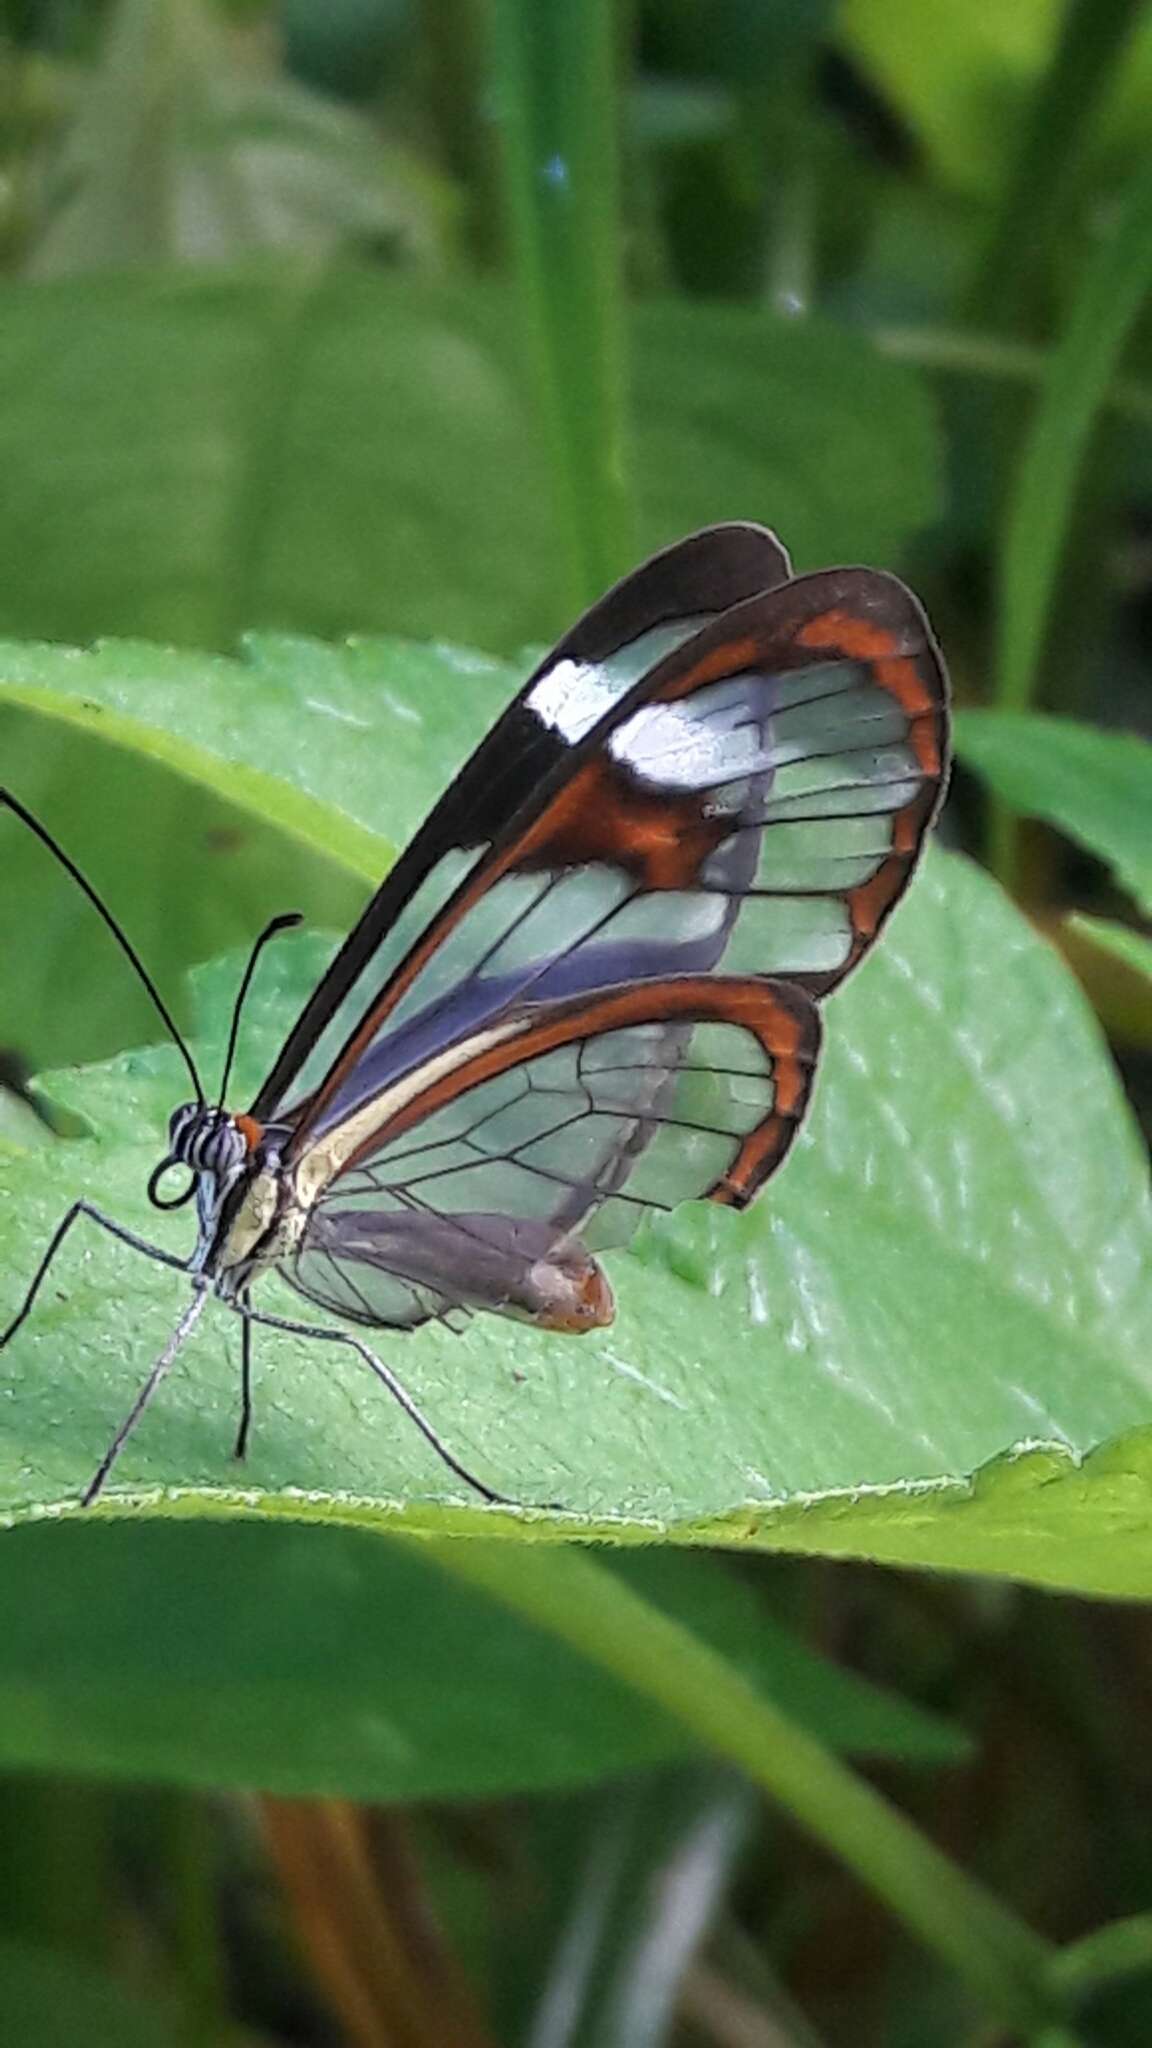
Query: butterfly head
{"x": 213, "y": 1144}
{"x": 207, "y": 1139}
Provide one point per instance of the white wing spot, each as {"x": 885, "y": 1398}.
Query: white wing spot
{"x": 571, "y": 697}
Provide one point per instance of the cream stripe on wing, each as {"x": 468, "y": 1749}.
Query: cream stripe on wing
{"x": 330, "y": 1154}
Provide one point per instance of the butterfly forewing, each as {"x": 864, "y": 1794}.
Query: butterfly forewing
{"x": 809, "y": 719}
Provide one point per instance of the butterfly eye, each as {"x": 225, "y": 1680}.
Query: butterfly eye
{"x": 160, "y": 1201}
{"x": 180, "y": 1123}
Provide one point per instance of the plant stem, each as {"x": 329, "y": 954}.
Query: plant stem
{"x": 962, "y": 352}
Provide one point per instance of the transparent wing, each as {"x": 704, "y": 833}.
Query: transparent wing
{"x": 755, "y": 802}
{"x": 491, "y": 1185}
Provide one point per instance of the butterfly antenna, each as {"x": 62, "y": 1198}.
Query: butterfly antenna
{"x": 12, "y": 803}
{"x": 277, "y": 924}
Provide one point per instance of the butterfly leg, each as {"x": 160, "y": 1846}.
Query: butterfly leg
{"x": 187, "y": 1322}
{"x": 395, "y": 1388}
{"x": 240, "y": 1447}
{"x": 114, "y": 1229}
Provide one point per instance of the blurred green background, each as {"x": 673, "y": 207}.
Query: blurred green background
{"x": 331, "y": 326}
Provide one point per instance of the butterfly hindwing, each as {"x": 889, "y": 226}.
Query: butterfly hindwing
{"x": 467, "y": 1184}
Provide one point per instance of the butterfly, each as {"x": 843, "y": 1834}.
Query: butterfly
{"x": 588, "y": 990}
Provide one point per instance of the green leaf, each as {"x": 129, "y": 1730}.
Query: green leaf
{"x": 847, "y": 470}
{"x": 322, "y": 1663}
{"x": 20, "y": 1125}
{"x": 781, "y": 1378}
{"x": 186, "y": 457}
{"x": 954, "y": 1264}
{"x": 1094, "y": 786}
{"x": 810, "y": 1348}
{"x": 294, "y": 731}
{"x": 163, "y": 773}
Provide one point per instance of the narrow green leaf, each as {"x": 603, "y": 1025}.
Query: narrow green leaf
{"x": 960, "y": 352}
{"x": 188, "y": 1865}
{"x": 1118, "y": 939}
{"x": 723, "y": 1609}
{"x": 557, "y": 109}
{"x": 1109, "y": 1955}
{"x": 1092, "y": 42}
{"x": 624, "y": 1883}
{"x": 1095, "y": 786}
{"x": 1108, "y": 299}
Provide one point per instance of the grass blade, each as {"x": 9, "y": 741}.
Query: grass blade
{"x": 1035, "y": 207}
{"x": 557, "y": 105}
{"x": 1043, "y": 494}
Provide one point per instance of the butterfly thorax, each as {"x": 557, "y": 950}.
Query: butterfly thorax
{"x": 247, "y": 1219}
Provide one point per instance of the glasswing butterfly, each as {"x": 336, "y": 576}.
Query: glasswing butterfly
{"x": 526, "y": 1043}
